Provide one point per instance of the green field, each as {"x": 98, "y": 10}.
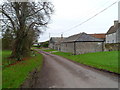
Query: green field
{"x": 15, "y": 75}
{"x": 48, "y": 50}
{"x": 102, "y": 60}
{"x": 35, "y": 48}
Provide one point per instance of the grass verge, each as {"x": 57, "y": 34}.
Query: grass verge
{"x": 48, "y": 50}
{"x": 101, "y": 60}
{"x": 5, "y": 60}
{"x": 15, "y": 75}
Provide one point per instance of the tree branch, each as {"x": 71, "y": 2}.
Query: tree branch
{"x": 3, "y": 12}
{"x": 35, "y": 12}
{"x": 33, "y": 23}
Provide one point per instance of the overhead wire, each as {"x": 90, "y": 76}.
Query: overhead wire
{"x": 91, "y": 17}
{"x": 91, "y": 11}
{"x": 87, "y": 19}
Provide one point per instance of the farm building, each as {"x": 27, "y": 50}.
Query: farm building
{"x": 82, "y": 43}
{"x": 55, "y": 43}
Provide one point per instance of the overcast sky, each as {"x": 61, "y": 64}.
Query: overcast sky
{"x": 69, "y": 13}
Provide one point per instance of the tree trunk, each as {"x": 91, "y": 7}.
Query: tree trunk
{"x": 21, "y": 46}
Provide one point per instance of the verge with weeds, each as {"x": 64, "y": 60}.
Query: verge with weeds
{"x": 15, "y": 74}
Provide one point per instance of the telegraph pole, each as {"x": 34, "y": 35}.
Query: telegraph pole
{"x": 61, "y": 35}
{"x": 49, "y": 35}
{"x": 61, "y": 41}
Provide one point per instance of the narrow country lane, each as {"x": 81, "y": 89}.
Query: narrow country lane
{"x": 59, "y": 72}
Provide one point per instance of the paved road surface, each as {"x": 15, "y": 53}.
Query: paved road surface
{"x": 59, "y": 72}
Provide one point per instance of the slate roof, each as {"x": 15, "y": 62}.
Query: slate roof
{"x": 55, "y": 39}
{"x": 60, "y": 40}
{"x": 113, "y": 29}
{"x": 82, "y": 37}
{"x": 72, "y": 38}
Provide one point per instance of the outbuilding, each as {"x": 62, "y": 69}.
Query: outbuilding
{"x": 82, "y": 43}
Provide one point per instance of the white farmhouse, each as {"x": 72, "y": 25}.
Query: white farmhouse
{"x": 112, "y": 36}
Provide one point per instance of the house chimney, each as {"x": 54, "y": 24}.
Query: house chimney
{"x": 61, "y": 36}
{"x": 116, "y": 23}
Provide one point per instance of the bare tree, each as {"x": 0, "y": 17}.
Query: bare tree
{"x": 24, "y": 18}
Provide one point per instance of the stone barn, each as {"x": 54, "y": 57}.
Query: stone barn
{"x": 55, "y": 43}
{"x": 82, "y": 43}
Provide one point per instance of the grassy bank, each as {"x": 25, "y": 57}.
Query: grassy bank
{"x": 5, "y": 60}
{"x": 102, "y": 60}
{"x": 14, "y": 75}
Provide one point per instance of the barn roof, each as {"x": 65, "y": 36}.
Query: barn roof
{"x": 55, "y": 39}
{"x": 81, "y": 37}
{"x": 101, "y": 35}
{"x": 72, "y": 38}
